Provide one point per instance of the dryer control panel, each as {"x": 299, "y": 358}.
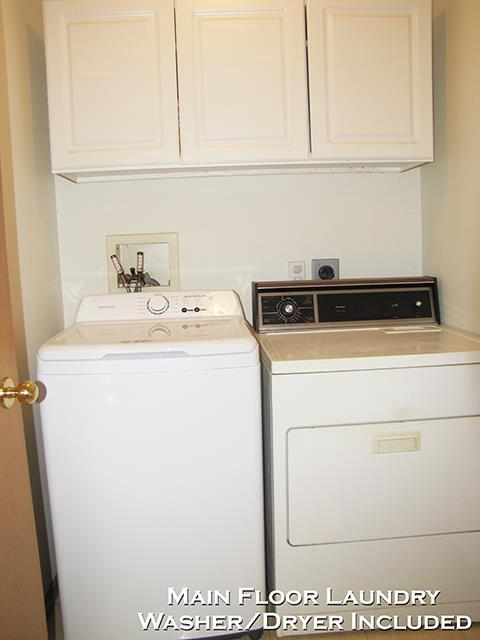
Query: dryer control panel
{"x": 314, "y": 304}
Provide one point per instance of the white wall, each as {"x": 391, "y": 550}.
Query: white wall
{"x": 451, "y": 186}
{"x": 30, "y": 214}
{"x": 233, "y": 230}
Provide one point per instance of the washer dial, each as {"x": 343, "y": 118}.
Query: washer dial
{"x": 158, "y": 304}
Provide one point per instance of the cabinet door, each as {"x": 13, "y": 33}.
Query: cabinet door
{"x": 111, "y": 83}
{"x": 242, "y": 80}
{"x": 370, "y": 79}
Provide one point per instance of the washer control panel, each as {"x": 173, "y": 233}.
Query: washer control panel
{"x": 280, "y": 306}
{"x": 168, "y": 305}
{"x": 188, "y": 304}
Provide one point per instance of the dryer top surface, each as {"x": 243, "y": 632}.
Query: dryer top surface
{"x": 372, "y": 348}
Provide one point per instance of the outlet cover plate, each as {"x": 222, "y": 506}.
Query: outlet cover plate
{"x": 296, "y": 270}
{"x": 318, "y": 263}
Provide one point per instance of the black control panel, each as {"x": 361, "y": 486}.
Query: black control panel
{"x": 296, "y": 308}
{"x": 315, "y": 304}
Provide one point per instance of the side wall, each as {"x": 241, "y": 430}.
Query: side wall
{"x": 451, "y": 186}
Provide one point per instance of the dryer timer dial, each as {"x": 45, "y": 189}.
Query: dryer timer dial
{"x": 158, "y": 304}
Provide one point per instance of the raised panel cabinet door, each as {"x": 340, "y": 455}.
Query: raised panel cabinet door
{"x": 370, "y": 79}
{"x": 112, "y": 90}
{"x": 242, "y": 80}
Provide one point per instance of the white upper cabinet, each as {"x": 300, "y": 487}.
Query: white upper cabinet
{"x": 370, "y": 79}
{"x": 242, "y": 80}
{"x": 165, "y": 86}
{"x": 111, "y": 83}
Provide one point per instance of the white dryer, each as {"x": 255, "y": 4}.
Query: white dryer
{"x": 152, "y": 432}
{"x": 372, "y": 435}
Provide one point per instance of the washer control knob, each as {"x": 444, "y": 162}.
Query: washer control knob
{"x": 158, "y": 304}
{"x": 287, "y": 309}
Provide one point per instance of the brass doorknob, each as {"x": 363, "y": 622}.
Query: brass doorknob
{"x": 26, "y": 392}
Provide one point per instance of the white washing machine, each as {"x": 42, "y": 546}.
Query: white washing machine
{"x": 152, "y": 432}
{"x": 372, "y": 434}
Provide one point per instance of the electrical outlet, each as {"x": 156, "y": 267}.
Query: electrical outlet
{"x": 296, "y": 270}
{"x": 325, "y": 268}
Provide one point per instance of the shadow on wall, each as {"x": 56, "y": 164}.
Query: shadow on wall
{"x": 437, "y": 172}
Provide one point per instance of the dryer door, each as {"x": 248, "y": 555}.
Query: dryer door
{"x": 385, "y": 480}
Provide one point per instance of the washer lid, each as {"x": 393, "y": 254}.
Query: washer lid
{"x": 380, "y": 348}
{"x": 172, "y": 338}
